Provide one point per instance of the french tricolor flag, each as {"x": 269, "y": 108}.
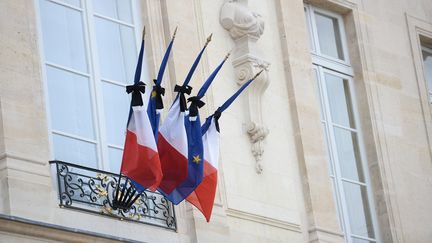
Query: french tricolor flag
{"x": 203, "y": 196}
{"x": 155, "y": 104}
{"x": 140, "y": 161}
{"x": 172, "y": 140}
{"x": 140, "y": 156}
{"x": 195, "y": 169}
{"x": 173, "y": 148}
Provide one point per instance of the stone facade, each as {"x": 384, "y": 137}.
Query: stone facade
{"x": 273, "y": 182}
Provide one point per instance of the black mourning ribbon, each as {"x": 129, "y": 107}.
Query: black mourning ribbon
{"x": 136, "y": 90}
{"x": 196, "y": 103}
{"x": 159, "y": 91}
{"x": 182, "y": 90}
{"x": 217, "y": 114}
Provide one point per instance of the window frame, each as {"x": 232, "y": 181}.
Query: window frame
{"x": 421, "y": 31}
{"x": 88, "y": 14}
{"x": 429, "y": 89}
{"x": 322, "y": 64}
{"x": 318, "y": 57}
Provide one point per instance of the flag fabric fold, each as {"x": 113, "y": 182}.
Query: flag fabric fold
{"x": 155, "y": 104}
{"x": 195, "y": 144}
{"x": 173, "y": 148}
{"x": 203, "y": 196}
{"x": 140, "y": 161}
{"x": 173, "y": 139}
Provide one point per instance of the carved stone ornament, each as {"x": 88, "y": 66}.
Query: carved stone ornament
{"x": 245, "y": 28}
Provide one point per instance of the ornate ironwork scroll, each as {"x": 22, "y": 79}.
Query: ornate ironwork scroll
{"x": 93, "y": 191}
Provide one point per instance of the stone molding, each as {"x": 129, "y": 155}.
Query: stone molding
{"x": 26, "y": 228}
{"x": 264, "y": 220}
{"x": 245, "y": 28}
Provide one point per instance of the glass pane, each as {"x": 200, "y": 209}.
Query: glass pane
{"x": 116, "y": 106}
{"x": 329, "y": 36}
{"x": 76, "y": 3}
{"x": 74, "y": 151}
{"x": 427, "y": 58}
{"x": 63, "y": 36}
{"x": 337, "y": 203}
{"x": 358, "y": 210}
{"x": 339, "y": 100}
{"x": 116, "y": 9}
{"x": 356, "y": 240}
{"x": 348, "y": 154}
{"x": 115, "y": 158}
{"x": 70, "y": 103}
{"x": 117, "y": 50}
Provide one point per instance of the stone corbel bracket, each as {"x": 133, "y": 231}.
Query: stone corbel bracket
{"x": 245, "y": 28}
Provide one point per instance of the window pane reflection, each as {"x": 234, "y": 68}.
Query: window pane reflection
{"x": 348, "y": 154}
{"x": 116, "y": 49}
{"x": 360, "y": 220}
{"x": 339, "y": 100}
{"x": 70, "y": 103}
{"x": 75, "y": 3}
{"x": 356, "y": 240}
{"x": 116, "y": 106}
{"x": 115, "y": 158}
{"x": 116, "y": 9}
{"x": 329, "y": 36}
{"x": 63, "y": 36}
{"x": 74, "y": 151}
{"x": 427, "y": 58}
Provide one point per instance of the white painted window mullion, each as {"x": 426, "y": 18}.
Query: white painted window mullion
{"x": 113, "y": 82}
{"x": 67, "y": 69}
{"x": 336, "y": 163}
{"x": 364, "y": 162}
{"x": 65, "y": 134}
{"x": 67, "y": 5}
{"x": 113, "y": 20}
{"x": 98, "y": 103}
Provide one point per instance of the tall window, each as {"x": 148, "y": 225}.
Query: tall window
{"x": 90, "y": 49}
{"x": 427, "y": 60}
{"x": 340, "y": 123}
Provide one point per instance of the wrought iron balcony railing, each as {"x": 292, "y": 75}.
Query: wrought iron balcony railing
{"x": 93, "y": 190}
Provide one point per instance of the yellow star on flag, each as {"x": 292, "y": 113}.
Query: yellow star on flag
{"x": 196, "y": 159}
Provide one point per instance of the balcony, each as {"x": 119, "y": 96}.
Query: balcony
{"x": 91, "y": 190}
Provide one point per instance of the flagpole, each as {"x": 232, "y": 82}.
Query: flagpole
{"x": 143, "y": 33}
{"x": 256, "y": 75}
{"x": 209, "y": 38}
{"x": 174, "y": 34}
{"x": 122, "y": 200}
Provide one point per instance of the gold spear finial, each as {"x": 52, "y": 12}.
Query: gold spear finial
{"x": 256, "y": 75}
{"x": 143, "y": 33}
{"x": 209, "y": 39}
{"x": 227, "y": 55}
{"x": 175, "y": 32}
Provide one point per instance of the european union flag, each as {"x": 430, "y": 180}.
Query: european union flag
{"x": 195, "y": 144}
